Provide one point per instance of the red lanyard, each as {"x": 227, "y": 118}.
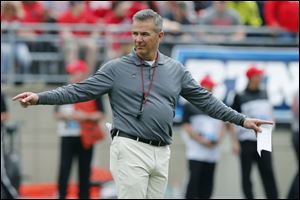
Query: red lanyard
{"x": 146, "y": 95}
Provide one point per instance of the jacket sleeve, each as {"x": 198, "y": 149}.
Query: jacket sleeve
{"x": 93, "y": 87}
{"x": 205, "y": 101}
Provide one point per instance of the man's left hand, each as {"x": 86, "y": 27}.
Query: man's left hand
{"x": 254, "y": 124}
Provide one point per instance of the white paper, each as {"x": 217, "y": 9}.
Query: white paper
{"x": 108, "y": 127}
{"x": 264, "y": 138}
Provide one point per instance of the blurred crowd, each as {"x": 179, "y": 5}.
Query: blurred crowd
{"x": 278, "y": 15}
{"x": 81, "y": 50}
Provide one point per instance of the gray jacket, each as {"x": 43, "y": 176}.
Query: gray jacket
{"x": 121, "y": 79}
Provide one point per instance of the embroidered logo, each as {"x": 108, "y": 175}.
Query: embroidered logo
{"x": 133, "y": 76}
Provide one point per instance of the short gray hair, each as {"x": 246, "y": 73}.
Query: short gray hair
{"x": 147, "y": 14}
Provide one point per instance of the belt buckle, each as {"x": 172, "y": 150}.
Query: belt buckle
{"x": 150, "y": 142}
{"x": 118, "y": 131}
{"x": 159, "y": 143}
{"x": 137, "y": 139}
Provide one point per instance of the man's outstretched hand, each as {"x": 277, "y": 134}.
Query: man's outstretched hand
{"x": 254, "y": 124}
{"x": 27, "y": 99}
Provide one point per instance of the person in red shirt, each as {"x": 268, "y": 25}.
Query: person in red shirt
{"x": 118, "y": 15}
{"x": 73, "y": 41}
{"x": 33, "y": 12}
{"x": 282, "y": 14}
{"x": 76, "y": 124}
{"x": 283, "y": 18}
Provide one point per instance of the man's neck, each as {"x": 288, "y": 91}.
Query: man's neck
{"x": 147, "y": 57}
{"x": 253, "y": 87}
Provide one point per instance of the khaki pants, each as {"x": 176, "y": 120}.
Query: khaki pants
{"x": 139, "y": 170}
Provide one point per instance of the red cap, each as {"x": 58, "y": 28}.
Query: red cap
{"x": 207, "y": 82}
{"x": 77, "y": 66}
{"x": 253, "y": 70}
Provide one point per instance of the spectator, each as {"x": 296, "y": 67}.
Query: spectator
{"x": 283, "y": 15}
{"x": 220, "y": 15}
{"x": 253, "y": 102}
{"x": 71, "y": 128}
{"x": 177, "y": 12}
{"x": 54, "y": 9}
{"x": 135, "y": 7}
{"x": 248, "y": 11}
{"x": 202, "y": 152}
{"x": 200, "y": 6}
{"x": 119, "y": 16}
{"x": 15, "y": 54}
{"x": 74, "y": 41}
{"x": 100, "y": 9}
{"x": 8, "y": 191}
{"x": 294, "y": 188}
{"x": 34, "y": 13}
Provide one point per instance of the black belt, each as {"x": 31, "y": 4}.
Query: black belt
{"x": 119, "y": 133}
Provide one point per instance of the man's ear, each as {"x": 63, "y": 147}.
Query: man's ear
{"x": 161, "y": 35}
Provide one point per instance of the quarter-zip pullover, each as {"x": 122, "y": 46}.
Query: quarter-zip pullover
{"x": 121, "y": 79}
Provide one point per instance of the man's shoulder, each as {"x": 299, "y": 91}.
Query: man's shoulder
{"x": 171, "y": 62}
{"x": 111, "y": 63}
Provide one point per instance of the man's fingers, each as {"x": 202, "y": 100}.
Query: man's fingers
{"x": 258, "y": 130}
{"x": 264, "y": 122}
{"x": 27, "y": 100}
{"x": 19, "y": 96}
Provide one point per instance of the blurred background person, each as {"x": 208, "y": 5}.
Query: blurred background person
{"x": 79, "y": 44}
{"x": 219, "y": 14}
{"x": 8, "y": 191}
{"x": 202, "y": 151}
{"x": 118, "y": 15}
{"x": 249, "y": 14}
{"x": 179, "y": 11}
{"x": 283, "y": 16}
{"x": 200, "y": 6}
{"x": 253, "y": 102}
{"x": 248, "y": 11}
{"x": 14, "y": 55}
{"x": 74, "y": 133}
{"x": 294, "y": 188}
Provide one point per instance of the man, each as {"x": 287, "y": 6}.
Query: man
{"x": 72, "y": 121}
{"x": 294, "y": 188}
{"x": 74, "y": 41}
{"x": 8, "y": 191}
{"x": 253, "y": 102}
{"x": 202, "y": 150}
{"x": 220, "y": 15}
{"x": 143, "y": 87}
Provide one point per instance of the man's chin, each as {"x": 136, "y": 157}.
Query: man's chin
{"x": 140, "y": 51}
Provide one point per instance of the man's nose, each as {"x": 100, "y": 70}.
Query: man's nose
{"x": 139, "y": 38}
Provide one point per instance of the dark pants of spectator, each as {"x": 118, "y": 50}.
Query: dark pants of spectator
{"x": 71, "y": 147}
{"x": 294, "y": 188}
{"x": 247, "y": 157}
{"x": 201, "y": 180}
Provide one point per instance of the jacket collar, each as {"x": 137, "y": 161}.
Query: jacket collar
{"x": 133, "y": 58}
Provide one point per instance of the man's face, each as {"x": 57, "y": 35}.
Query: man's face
{"x": 146, "y": 39}
{"x": 220, "y": 6}
{"x": 256, "y": 81}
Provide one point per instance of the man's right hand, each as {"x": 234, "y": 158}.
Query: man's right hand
{"x": 27, "y": 99}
